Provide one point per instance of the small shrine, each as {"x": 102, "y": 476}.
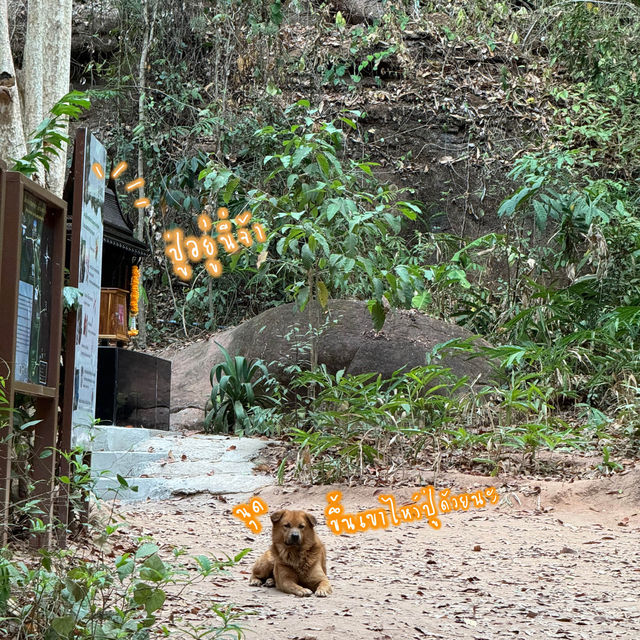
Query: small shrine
{"x": 133, "y": 388}
{"x": 121, "y": 255}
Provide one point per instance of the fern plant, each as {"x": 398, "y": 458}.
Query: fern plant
{"x": 237, "y": 386}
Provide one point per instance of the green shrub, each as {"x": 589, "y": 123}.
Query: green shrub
{"x": 60, "y": 596}
{"x": 354, "y": 420}
{"x": 48, "y": 140}
{"x": 337, "y": 227}
{"x": 238, "y": 387}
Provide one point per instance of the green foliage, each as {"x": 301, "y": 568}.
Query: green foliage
{"x": 363, "y": 48}
{"x": 594, "y": 40}
{"x": 199, "y": 99}
{"x": 359, "y": 424}
{"x": 353, "y": 418}
{"x": 48, "y": 139}
{"x": 61, "y": 595}
{"x": 565, "y": 314}
{"x": 229, "y": 627}
{"x": 80, "y": 484}
{"x": 597, "y": 111}
{"x": 343, "y": 71}
{"x": 336, "y": 229}
{"x": 608, "y": 466}
{"x": 239, "y": 387}
{"x": 64, "y": 594}
{"x": 589, "y": 325}
{"x": 556, "y": 290}
{"x": 26, "y": 516}
{"x": 71, "y": 297}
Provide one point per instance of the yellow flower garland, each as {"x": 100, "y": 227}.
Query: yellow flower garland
{"x": 135, "y": 295}
{"x": 135, "y": 290}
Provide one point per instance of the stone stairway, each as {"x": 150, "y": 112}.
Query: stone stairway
{"x": 165, "y": 463}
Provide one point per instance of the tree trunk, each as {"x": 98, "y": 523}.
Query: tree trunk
{"x": 33, "y": 63}
{"x": 57, "y": 69}
{"x": 12, "y": 141}
{"x": 45, "y": 79}
{"x": 149, "y": 25}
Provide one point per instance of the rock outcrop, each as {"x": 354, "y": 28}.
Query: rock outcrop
{"x": 347, "y": 340}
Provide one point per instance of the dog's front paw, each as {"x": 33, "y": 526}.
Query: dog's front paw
{"x": 324, "y": 590}
{"x": 269, "y": 582}
{"x": 303, "y": 593}
{"x": 255, "y": 582}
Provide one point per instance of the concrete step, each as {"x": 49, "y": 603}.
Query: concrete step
{"x": 110, "y": 438}
{"x": 132, "y": 464}
{"x": 108, "y": 488}
{"x": 128, "y": 464}
{"x": 166, "y": 463}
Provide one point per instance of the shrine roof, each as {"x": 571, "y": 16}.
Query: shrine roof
{"x": 118, "y": 228}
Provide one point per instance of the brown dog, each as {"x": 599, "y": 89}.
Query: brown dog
{"x": 296, "y": 560}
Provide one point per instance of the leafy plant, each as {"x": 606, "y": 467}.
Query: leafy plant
{"x": 47, "y": 139}
{"x": 229, "y": 617}
{"x": 608, "y": 466}
{"x": 355, "y": 419}
{"x": 80, "y": 484}
{"x": 336, "y": 228}
{"x": 61, "y": 595}
{"x": 238, "y": 385}
{"x": 71, "y": 297}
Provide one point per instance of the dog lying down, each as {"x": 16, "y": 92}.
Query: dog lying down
{"x": 296, "y": 561}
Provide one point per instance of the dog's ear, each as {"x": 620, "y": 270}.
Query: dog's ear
{"x": 311, "y": 520}
{"x": 276, "y": 516}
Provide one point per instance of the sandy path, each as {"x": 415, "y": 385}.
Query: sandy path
{"x": 568, "y": 568}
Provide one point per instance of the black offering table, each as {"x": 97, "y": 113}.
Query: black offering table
{"x": 133, "y": 389}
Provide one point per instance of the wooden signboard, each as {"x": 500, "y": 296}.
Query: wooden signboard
{"x": 31, "y": 281}
{"x": 3, "y": 170}
{"x": 85, "y": 273}
{"x": 5, "y": 458}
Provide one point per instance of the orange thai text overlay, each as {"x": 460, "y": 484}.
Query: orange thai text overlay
{"x": 248, "y": 512}
{"x": 428, "y": 507}
{"x": 181, "y": 250}
{"x": 138, "y": 183}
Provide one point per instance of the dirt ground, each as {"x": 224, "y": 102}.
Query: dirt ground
{"x": 551, "y": 560}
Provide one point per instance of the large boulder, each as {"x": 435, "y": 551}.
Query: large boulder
{"x": 347, "y": 340}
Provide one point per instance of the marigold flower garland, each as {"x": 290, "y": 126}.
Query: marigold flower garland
{"x": 133, "y": 303}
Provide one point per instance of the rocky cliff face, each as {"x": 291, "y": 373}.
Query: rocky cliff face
{"x": 445, "y": 113}
{"x": 444, "y": 118}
